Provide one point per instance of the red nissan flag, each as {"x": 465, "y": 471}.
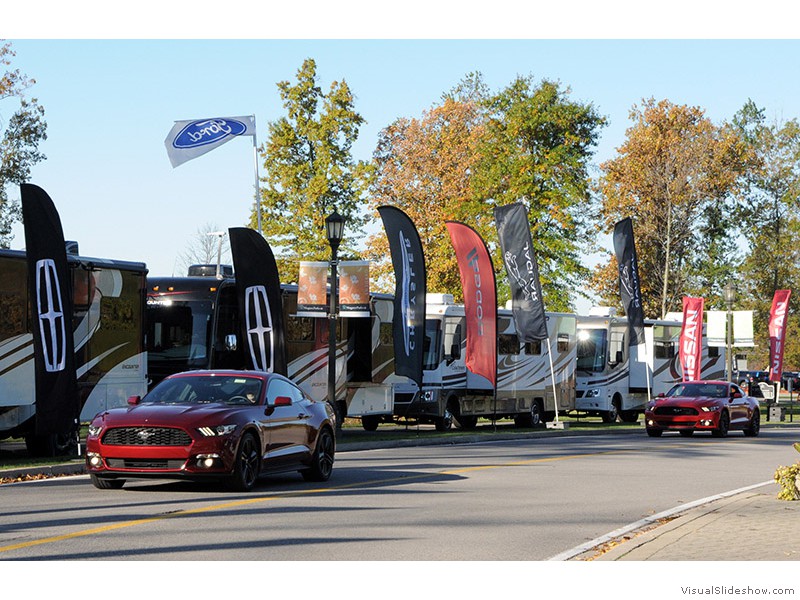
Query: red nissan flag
{"x": 480, "y": 299}
{"x": 691, "y": 342}
{"x": 777, "y": 332}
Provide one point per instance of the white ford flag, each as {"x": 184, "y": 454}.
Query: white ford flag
{"x": 190, "y": 139}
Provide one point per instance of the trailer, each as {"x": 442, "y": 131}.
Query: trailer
{"x": 108, "y": 330}
{"x": 193, "y": 323}
{"x": 525, "y": 386}
{"x": 614, "y": 379}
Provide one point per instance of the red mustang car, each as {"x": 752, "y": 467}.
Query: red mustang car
{"x": 231, "y": 425}
{"x": 714, "y": 406}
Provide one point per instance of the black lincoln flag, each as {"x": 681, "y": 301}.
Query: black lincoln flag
{"x": 258, "y": 289}
{"x": 50, "y": 292}
{"x": 409, "y": 297}
{"x": 629, "y": 289}
{"x": 523, "y": 271}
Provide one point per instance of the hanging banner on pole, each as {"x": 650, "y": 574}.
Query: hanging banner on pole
{"x": 354, "y": 288}
{"x": 522, "y": 270}
{"x": 629, "y": 288}
{"x": 691, "y": 340}
{"x": 408, "y": 320}
{"x": 777, "y": 332}
{"x": 50, "y": 291}
{"x": 260, "y": 300}
{"x": 480, "y": 299}
{"x": 190, "y": 139}
{"x": 312, "y": 289}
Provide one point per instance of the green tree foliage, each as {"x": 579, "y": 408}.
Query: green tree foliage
{"x": 475, "y": 149}
{"x": 310, "y": 171}
{"x": 22, "y": 133}
{"x": 769, "y": 213}
{"x": 674, "y": 175}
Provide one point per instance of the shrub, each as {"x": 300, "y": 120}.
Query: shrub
{"x": 789, "y": 479}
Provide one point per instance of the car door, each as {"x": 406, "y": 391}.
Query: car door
{"x": 738, "y": 406}
{"x": 286, "y": 419}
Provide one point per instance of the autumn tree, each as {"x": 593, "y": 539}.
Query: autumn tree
{"x": 423, "y": 167}
{"x": 536, "y": 149}
{"x": 674, "y": 175}
{"x": 476, "y": 149}
{"x": 769, "y": 213}
{"x": 22, "y": 133}
{"x": 310, "y": 171}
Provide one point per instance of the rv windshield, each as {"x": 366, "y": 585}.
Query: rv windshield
{"x": 433, "y": 345}
{"x": 592, "y": 345}
{"x": 178, "y": 333}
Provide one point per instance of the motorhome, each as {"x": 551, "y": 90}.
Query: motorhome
{"x": 108, "y": 330}
{"x": 193, "y": 323}
{"x": 615, "y": 379}
{"x": 525, "y": 385}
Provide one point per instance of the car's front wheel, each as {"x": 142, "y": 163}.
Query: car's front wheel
{"x": 754, "y": 426}
{"x": 724, "y": 425}
{"x": 322, "y": 460}
{"x": 247, "y": 466}
{"x": 652, "y": 432}
{"x": 105, "y": 483}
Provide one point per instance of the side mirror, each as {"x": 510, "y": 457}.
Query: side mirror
{"x": 278, "y": 401}
{"x": 134, "y": 400}
{"x": 661, "y": 395}
{"x": 736, "y": 395}
{"x": 231, "y": 343}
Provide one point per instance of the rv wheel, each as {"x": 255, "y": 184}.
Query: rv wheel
{"x": 370, "y": 422}
{"x": 445, "y": 422}
{"x": 612, "y": 414}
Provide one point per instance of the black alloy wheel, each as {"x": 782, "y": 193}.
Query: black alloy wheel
{"x": 106, "y": 483}
{"x": 248, "y": 464}
{"x": 755, "y": 425}
{"x": 322, "y": 461}
{"x": 724, "y": 425}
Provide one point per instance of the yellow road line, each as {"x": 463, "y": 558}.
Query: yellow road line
{"x": 249, "y": 501}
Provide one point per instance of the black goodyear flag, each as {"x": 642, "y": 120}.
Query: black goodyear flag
{"x": 258, "y": 289}
{"x": 523, "y": 271}
{"x": 629, "y": 289}
{"x": 409, "y": 296}
{"x": 50, "y": 292}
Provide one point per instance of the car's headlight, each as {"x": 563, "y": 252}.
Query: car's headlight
{"x": 217, "y": 431}
{"x": 593, "y": 393}
{"x": 714, "y": 408}
{"x": 94, "y": 430}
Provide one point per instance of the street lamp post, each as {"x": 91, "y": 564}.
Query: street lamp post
{"x": 729, "y": 295}
{"x": 334, "y": 228}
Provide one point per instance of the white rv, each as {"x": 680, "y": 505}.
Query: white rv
{"x": 613, "y": 377}
{"x": 525, "y": 389}
{"x": 108, "y": 330}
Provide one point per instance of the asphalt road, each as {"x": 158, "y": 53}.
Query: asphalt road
{"x": 523, "y": 500}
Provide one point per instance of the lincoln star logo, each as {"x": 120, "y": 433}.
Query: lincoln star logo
{"x": 51, "y": 316}
{"x": 258, "y": 320}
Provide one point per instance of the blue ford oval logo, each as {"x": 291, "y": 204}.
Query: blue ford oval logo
{"x": 208, "y": 131}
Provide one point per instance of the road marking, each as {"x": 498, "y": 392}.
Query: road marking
{"x": 300, "y": 493}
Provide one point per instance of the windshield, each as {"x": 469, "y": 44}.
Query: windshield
{"x": 178, "y": 332}
{"x": 592, "y": 346}
{"x": 711, "y": 390}
{"x": 204, "y": 389}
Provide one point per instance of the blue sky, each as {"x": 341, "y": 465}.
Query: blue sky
{"x": 110, "y": 103}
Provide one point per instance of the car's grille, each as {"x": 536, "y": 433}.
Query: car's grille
{"x": 133, "y": 463}
{"x": 146, "y": 436}
{"x": 675, "y": 411}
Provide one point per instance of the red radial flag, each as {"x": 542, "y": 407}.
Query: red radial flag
{"x": 777, "y": 332}
{"x": 480, "y": 299}
{"x": 691, "y": 342}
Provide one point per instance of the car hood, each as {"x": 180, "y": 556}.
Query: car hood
{"x": 687, "y": 400}
{"x": 168, "y": 414}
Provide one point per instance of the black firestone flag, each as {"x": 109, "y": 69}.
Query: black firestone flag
{"x": 523, "y": 271}
{"x": 409, "y": 295}
{"x": 260, "y": 307}
{"x": 629, "y": 289}
{"x": 50, "y": 292}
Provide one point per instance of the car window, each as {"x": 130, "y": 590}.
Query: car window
{"x": 206, "y": 389}
{"x": 281, "y": 387}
